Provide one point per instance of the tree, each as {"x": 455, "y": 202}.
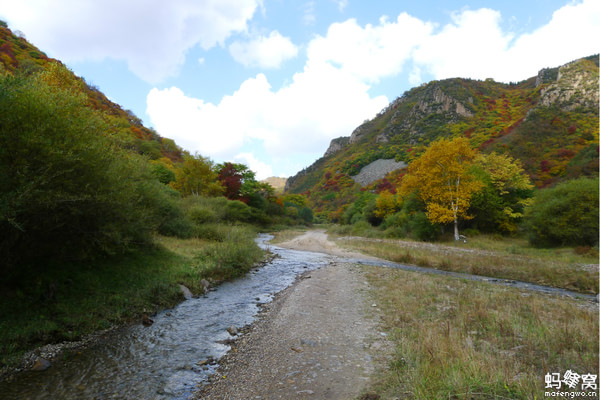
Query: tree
{"x": 196, "y": 177}
{"x": 231, "y": 177}
{"x": 501, "y": 203}
{"x": 68, "y": 191}
{"x": 443, "y": 179}
{"x": 385, "y": 204}
{"x": 565, "y": 215}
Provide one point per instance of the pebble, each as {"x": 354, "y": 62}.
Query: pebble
{"x": 233, "y": 331}
{"x": 41, "y": 364}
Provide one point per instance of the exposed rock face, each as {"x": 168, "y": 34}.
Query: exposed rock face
{"x": 337, "y": 145}
{"x": 433, "y": 101}
{"x": 546, "y": 75}
{"x": 576, "y": 86}
{"x": 377, "y": 170}
{"x": 356, "y": 134}
{"x": 276, "y": 182}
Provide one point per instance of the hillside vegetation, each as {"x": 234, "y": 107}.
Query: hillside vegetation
{"x": 100, "y": 217}
{"x": 526, "y": 137}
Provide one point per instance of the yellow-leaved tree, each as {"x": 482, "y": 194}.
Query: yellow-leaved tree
{"x": 443, "y": 179}
{"x": 507, "y": 192}
{"x": 385, "y": 204}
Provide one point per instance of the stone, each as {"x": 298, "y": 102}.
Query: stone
{"x": 205, "y": 284}
{"x": 146, "y": 320}
{"x": 41, "y": 364}
{"x": 378, "y": 169}
{"x": 187, "y": 294}
{"x": 233, "y": 331}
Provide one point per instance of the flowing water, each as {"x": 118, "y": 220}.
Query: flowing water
{"x": 166, "y": 360}
{"x": 161, "y": 361}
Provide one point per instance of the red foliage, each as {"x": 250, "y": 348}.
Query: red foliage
{"x": 566, "y": 153}
{"x": 7, "y": 49}
{"x": 231, "y": 179}
{"x": 572, "y": 129}
{"x": 385, "y": 185}
{"x": 545, "y": 165}
{"x": 138, "y": 133}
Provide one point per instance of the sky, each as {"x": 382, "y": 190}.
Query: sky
{"x": 269, "y": 83}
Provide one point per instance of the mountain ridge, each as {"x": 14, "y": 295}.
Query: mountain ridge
{"x": 549, "y": 122}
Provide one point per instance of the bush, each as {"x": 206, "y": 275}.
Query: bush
{"x": 306, "y": 214}
{"x": 565, "y": 215}
{"x": 67, "y": 190}
{"x": 201, "y": 215}
{"x": 421, "y": 228}
{"x": 235, "y": 255}
{"x": 212, "y": 232}
{"x": 237, "y": 211}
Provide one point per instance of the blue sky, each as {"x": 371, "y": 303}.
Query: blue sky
{"x": 270, "y": 82}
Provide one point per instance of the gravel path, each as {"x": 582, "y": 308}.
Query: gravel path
{"x": 317, "y": 340}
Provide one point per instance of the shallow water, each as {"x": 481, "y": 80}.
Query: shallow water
{"x": 160, "y": 361}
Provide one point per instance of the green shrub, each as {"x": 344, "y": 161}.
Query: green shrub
{"x": 361, "y": 228}
{"x": 306, "y": 214}
{"x": 421, "y": 228}
{"x": 201, "y": 215}
{"x": 291, "y": 211}
{"x": 235, "y": 255}
{"x": 565, "y": 215}
{"x": 212, "y": 232}
{"x": 237, "y": 211}
{"x": 68, "y": 190}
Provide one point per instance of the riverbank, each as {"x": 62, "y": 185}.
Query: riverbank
{"x": 317, "y": 339}
{"x": 445, "y": 337}
{"x": 457, "y": 339}
{"x": 68, "y": 303}
{"x": 573, "y": 269}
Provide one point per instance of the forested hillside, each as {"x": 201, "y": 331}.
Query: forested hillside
{"x": 548, "y": 124}
{"x": 101, "y": 219}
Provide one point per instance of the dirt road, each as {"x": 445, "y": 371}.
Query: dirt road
{"x": 317, "y": 340}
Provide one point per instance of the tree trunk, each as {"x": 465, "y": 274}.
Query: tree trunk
{"x": 456, "y": 236}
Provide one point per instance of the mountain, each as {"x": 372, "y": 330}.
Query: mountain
{"x": 549, "y": 122}
{"x": 17, "y": 55}
{"x": 276, "y": 182}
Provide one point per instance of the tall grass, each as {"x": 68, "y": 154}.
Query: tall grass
{"x": 458, "y": 339}
{"x": 503, "y": 258}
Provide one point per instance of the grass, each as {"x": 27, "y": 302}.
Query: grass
{"x": 67, "y": 302}
{"x": 286, "y": 235}
{"x": 505, "y": 258}
{"x": 457, "y": 339}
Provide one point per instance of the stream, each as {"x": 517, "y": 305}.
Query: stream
{"x": 162, "y": 361}
{"x": 168, "y": 360}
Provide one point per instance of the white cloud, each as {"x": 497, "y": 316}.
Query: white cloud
{"x": 152, "y": 36}
{"x": 342, "y": 4}
{"x": 264, "y": 51}
{"x": 330, "y": 97}
{"x": 320, "y": 104}
{"x": 261, "y": 169}
{"x": 372, "y": 52}
{"x": 475, "y": 46}
{"x": 309, "y": 17}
